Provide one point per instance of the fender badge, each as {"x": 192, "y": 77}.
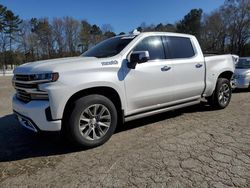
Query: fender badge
{"x": 109, "y": 63}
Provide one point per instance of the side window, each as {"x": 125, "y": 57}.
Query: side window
{"x": 179, "y": 47}
{"x": 153, "y": 45}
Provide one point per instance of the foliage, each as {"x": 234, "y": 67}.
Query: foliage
{"x": 228, "y": 28}
{"x": 191, "y": 23}
{"x": 225, "y": 30}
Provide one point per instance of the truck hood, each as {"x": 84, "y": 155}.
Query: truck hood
{"x": 242, "y": 71}
{"x": 59, "y": 65}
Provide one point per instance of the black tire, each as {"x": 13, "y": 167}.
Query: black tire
{"x": 216, "y": 101}
{"x": 73, "y": 121}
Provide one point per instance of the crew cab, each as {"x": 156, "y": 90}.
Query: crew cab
{"x": 120, "y": 79}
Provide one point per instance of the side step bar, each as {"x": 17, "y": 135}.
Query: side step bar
{"x": 158, "y": 111}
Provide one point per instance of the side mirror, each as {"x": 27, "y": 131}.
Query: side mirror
{"x": 137, "y": 57}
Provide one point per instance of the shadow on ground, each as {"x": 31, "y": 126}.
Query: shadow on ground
{"x": 17, "y": 143}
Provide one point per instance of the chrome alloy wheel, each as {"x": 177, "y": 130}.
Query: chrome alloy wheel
{"x": 224, "y": 94}
{"x": 94, "y": 122}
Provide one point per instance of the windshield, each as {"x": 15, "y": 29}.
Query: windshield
{"x": 243, "y": 64}
{"x": 109, "y": 47}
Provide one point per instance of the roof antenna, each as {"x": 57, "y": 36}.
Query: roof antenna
{"x": 136, "y": 32}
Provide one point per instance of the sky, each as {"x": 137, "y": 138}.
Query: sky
{"x": 124, "y": 15}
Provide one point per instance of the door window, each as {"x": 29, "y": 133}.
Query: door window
{"x": 153, "y": 45}
{"x": 179, "y": 47}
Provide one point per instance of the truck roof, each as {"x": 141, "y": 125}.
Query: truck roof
{"x": 157, "y": 33}
{"x": 166, "y": 33}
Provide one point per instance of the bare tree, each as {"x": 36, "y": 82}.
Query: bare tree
{"x": 107, "y": 28}
{"x": 72, "y": 28}
{"x": 84, "y": 35}
{"x": 58, "y": 28}
{"x": 228, "y": 28}
{"x": 43, "y": 32}
{"x": 240, "y": 23}
{"x": 214, "y": 33}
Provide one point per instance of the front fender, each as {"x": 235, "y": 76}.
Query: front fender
{"x": 61, "y": 91}
{"x": 59, "y": 96}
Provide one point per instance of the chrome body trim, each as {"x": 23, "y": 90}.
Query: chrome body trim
{"x": 150, "y": 113}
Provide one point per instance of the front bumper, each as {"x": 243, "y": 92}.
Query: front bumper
{"x": 32, "y": 115}
{"x": 242, "y": 83}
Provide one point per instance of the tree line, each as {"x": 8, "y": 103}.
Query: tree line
{"x": 225, "y": 30}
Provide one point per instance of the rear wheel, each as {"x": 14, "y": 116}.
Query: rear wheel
{"x": 222, "y": 94}
{"x": 92, "y": 121}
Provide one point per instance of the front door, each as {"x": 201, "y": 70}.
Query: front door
{"x": 149, "y": 85}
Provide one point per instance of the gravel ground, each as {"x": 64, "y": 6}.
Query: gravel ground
{"x": 6, "y": 92}
{"x": 191, "y": 147}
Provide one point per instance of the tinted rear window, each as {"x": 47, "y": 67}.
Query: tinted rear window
{"x": 179, "y": 47}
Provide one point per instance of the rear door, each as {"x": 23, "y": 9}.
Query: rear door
{"x": 187, "y": 66}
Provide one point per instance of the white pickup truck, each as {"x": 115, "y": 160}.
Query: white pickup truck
{"x": 120, "y": 79}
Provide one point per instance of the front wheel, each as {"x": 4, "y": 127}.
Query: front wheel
{"x": 222, "y": 94}
{"x": 92, "y": 121}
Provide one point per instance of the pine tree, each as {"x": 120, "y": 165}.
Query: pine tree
{"x": 11, "y": 25}
{"x": 191, "y": 23}
{"x": 2, "y": 16}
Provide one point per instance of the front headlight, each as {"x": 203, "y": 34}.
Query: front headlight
{"x": 50, "y": 77}
{"x": 28, "y": 85}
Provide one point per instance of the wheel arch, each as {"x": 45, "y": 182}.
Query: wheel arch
{"x": 106, "y": 91}
{"x": 226, "y": 74}
{"x": 212, "y": 80}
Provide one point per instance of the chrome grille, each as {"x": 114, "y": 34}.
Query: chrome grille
{"x": 27, "y": 88}
{"x": 22, "y": 85}
{"x": 24, "y": 77}
{"x": 23, "y": 95}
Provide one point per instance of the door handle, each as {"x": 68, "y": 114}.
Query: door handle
{"x": 198, "y": 65}
{"x": 165, "y": 68}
